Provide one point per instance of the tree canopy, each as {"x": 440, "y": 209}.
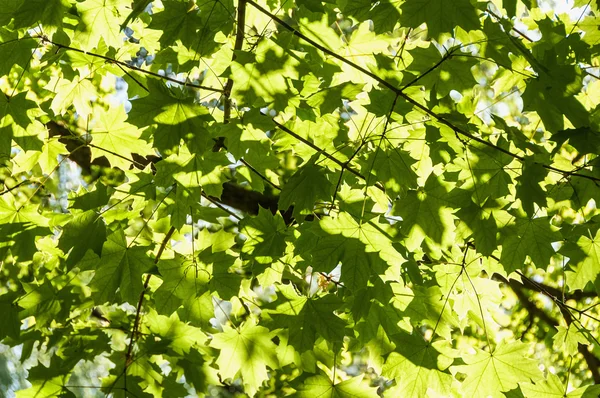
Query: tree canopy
{"x": 338, "y": 198}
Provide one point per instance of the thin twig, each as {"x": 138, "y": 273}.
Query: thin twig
{"x": 136, "y": 322}
{"x": 7, "y": 190}
{"x": 263, "y": 177}
{"x": 343, "y": 165}
{"x": 499, "y": 18}
{"x": 446, "y": 57}
{"x": 132, "y": 67}
{"x": 215, "y": 202}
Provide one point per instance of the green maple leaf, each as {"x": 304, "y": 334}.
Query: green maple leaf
{"x": 343, "y": 240}
{"x": 176, "y": 21}
{"x": 584, "y": 139}
{"x": 182, "y": 279}
{"x": 246, "y": 351}
{"x": 11, "y": 325}
{"x": 378, "y": 318}
{"x": 52, "y": 387}
{"x": 41, "y": 301}
{"x": 121, "y": 268}
{"x": 529, "y": 189}
{"x": 384, "y": 14}
{"x": 308, "y": 185}
{"x": 585, "y": 255}
{"x": 185, "y": 200}
{"x": 215, "y": 19}
{"x": 222, "y": 280}
{"x": 92, "y": 198}
{"x": 85, "y": 231}
{"x": 243, "y": 138}
{"x": 255, "y": 87}
{"x": 454, "y": 72}
{"x": 121, "y": 387}
{"x": 393, "y": 167}
{"x": 84, "y": 62}
{"x": 417, "y": 366}
{"x": 198, "y": 310}
{"x": 77, "y": 92}
{"x": 424, "y": 305}
{"x": 553, "y": 91}
{"x": 7, "y": 11}
{"x": 184, "y": 289}
{"x": 585, "y": 189}
{"x": 473, "y": 296}
{"x": 330, "y": 98}
{"x": 486, "y": 167}
{"x": 381, "y": 103}
{"x": 426, "y": 213}
{"x": 357, "y": 266}
{"x": 49, "y": 13}
{"x": 264, "y": 76}
{"x": 530, "y": 237}
{"x": 325, "y": 252}
{"x": 173, "y": 333}
{"x": 58, "y": 367}
{"x": 441, "y": 16}
{"x": 490, "y": 374}
{"x": 16, "y": 122}
{"x": 322, "y": 387}
{"x": 176, "y": 117}
{"x": 116, "y": 139}
{"x": 14, "y": 50}
{"x": 47, "y": 159}
{"x": 196, "y": 371}
{"x": 266, "y": 235}
{"x": 567, "y": 339}
{"x": 193, "y": 170}
{"x": 100, "y": 19}
{"x": 193, "y": 24}
{"x": 19, "y": 227}
{"x": 553, "y": 386}
{"x": 307, "y": 318}
{"x": 410, "y": 281}
{"x": 376, "y": 236}
{"x": 499, "y": 44}
{"x": 138, "y": 7}
{"x": 481, "y": 226}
